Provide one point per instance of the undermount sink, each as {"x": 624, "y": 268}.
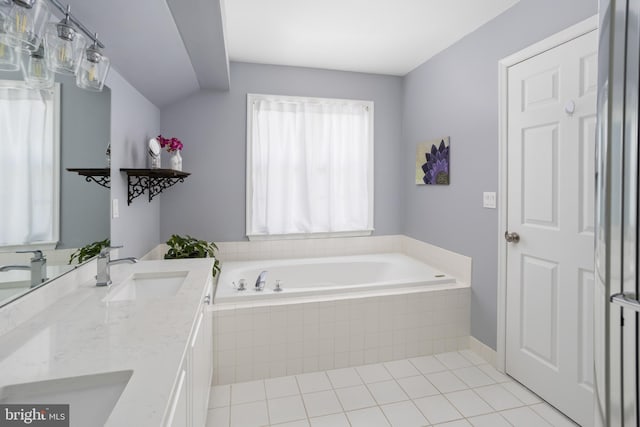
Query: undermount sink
{"x": 144, "y": 286}
{"x": 91, "y": 398}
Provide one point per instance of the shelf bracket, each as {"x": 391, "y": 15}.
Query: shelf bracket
{"x": 101, "y": 176}
{"x": 151, "y": 181}
{"x": 136, "y": 186}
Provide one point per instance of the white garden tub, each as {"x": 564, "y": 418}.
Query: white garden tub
{"x": 326, "y": 276}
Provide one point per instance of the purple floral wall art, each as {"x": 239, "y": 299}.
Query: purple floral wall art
{"x": 432, "y": 162}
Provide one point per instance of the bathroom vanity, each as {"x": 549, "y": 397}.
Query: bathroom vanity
{"x": 136, "y": 353}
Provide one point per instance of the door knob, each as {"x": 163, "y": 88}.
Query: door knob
{"x": 511, "y": 237}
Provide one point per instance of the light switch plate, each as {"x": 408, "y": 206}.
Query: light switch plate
{"x": 489, "y": 200}
{"x": 115, "y": 209}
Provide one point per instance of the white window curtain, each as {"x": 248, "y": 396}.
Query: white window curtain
{"x": 309, "y": 166}
{"x": 29, "y": 166}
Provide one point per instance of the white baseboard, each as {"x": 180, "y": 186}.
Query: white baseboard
{"x": 484, "y": 351}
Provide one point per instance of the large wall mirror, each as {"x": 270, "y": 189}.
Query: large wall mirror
{"x": 43, "y": 206}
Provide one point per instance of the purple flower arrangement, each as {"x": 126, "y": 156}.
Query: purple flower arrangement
{"x": 436, "y": 169}
{"x": 173, "y": 144}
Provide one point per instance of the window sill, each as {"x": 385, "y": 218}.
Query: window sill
{"x": 263, "y": 237}
{"x": 43, "y": 246}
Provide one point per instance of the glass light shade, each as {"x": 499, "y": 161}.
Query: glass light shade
{"x": 35, "y": 71}
{"x": 9, "y": 57}
{"x": 25, "y": 25}
{"x": 63, "y": 55}
{"x": 93, "y": 70}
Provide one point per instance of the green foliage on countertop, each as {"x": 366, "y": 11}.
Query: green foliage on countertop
{"x": 89, "y": 251}
{"x": 190, "y": 247}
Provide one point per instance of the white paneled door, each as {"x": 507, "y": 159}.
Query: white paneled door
{"x": 551, "y": 186}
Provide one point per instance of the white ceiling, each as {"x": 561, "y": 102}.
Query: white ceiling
{"x": 372, "y": 36}
{"x": 172, "y": 48}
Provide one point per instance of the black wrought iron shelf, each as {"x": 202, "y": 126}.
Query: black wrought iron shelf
{"x": 153, "y": 181}
{"x": 101, "y": 176}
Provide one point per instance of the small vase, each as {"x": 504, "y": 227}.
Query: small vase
{"x": 154, "y": 161}
{"x": 176, "y": 161}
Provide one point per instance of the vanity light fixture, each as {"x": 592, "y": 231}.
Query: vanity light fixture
{"x": 93, "y": 69}
{"x": 25, "y": 24}
{"x": 64, "y": 45}
{"x": 35, "y": 71}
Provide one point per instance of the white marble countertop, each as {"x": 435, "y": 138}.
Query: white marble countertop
{"x": 82, "y": 335}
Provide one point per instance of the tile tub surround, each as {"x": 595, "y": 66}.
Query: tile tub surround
{"x": 450, "y": 389}
{"x": 293, "y": 337}
{"x": 81, "y": 334}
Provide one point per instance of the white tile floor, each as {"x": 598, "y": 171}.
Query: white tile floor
{"x": 457, "y": 389}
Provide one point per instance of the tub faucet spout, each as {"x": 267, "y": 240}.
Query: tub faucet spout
{"x": 261, "y": 281}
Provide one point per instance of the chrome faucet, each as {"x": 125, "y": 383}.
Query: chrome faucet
{"x": 103, "y": 278}
{"x": 261, "y": 281}
{"x": 37, "y": 266}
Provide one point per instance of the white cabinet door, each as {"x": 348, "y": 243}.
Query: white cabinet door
{"x": 551, "y": 125}
{"x": 178, "y": 414}
{"x": 201, "y": 364}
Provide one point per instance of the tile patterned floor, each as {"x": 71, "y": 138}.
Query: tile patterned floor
{"x": 456, "y": 389}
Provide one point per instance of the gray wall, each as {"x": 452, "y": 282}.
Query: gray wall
{"x": 456, "y": 94}
{"x": 210, "y": 204}
{"x": 84, "y": 135}
{"x": 134, "y": 120}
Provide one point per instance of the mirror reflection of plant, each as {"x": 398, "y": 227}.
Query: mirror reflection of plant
{"x": 190, "y": 247}
{"x": 89, "y": 251}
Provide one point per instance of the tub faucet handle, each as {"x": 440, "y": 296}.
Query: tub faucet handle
{"x": 261, "y": 281}
{"x": 278, "y": 288}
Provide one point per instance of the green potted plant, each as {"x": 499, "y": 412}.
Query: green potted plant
{"x": 89, "y": 251}
{"x": 190, "y": 247}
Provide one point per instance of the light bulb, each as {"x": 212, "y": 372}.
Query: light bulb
{"x": 25, "y": 24}
{"x": 91, "y": 73}
{"x": 9, "y": 58}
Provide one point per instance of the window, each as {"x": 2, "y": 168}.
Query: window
{"x": 309, "y": 167}
{"x": 29, "y": 165}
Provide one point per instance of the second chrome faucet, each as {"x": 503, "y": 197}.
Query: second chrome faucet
{"x": 103, "y": 277}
